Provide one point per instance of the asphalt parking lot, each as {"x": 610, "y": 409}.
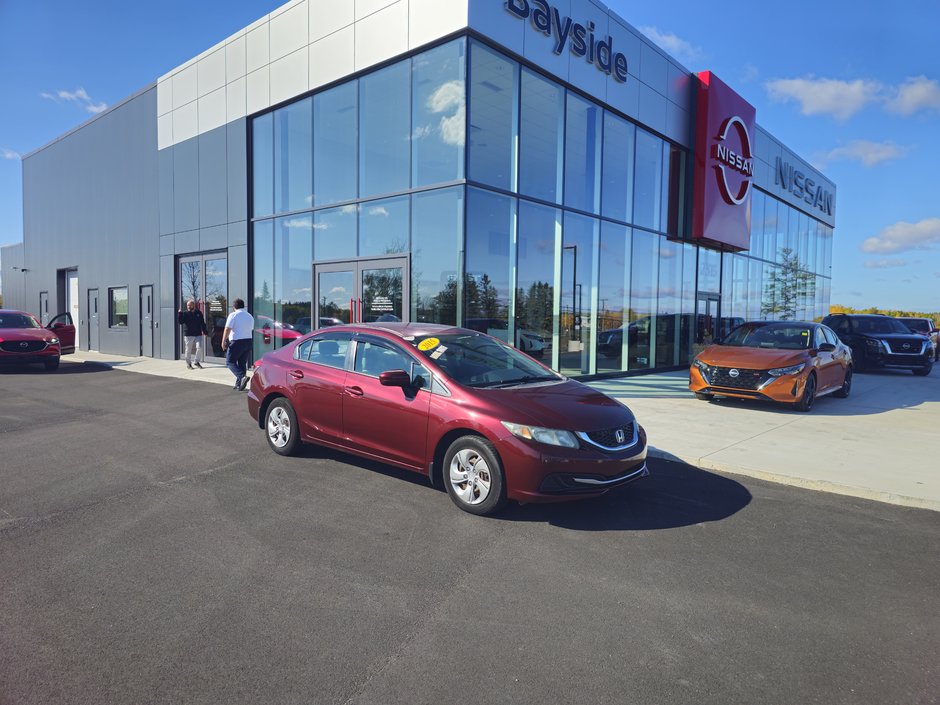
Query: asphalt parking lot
{"x": 152, "y": 550}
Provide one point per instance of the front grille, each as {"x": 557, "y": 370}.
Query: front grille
{"x": 17, "y": 346}
{"x": 608, "y": 437}
{"x": 914, "y": 347}
{"x": 745, "y": 379}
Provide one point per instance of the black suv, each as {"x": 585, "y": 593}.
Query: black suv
{"x": 882, "y": 341}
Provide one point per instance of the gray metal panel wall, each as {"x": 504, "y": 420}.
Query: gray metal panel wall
{"x": 90, "y": 202}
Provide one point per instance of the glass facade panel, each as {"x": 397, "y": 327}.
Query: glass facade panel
{"x": 757, "y": 223}
{"x": 262, "y": 161}
{"x": 688, "y": 328}
{"x": 494, "y": 88}
{"x": 439, "y": 114}
{"x": 617, "y": 175}
{"x": 436, "y": 253}
{"x": 709, "y": 270}
{"x": 293, "y": 257}
{"x": 262, "y": 252}
{"x": 644, "y": 267}
{"x": 335, "y": 233}
{"x": 383, "y": 226}
{"x": 673, "y": 215}
{"x": 769, "y": 247}
{"x": 334, "y": 144}
{"x": 582, "y": 154}
{"x": 612, "y": 296}
{"x": 384, "y": 130}
{"x": 487, "y": 283}
{"x": 293, "y": 156}
{"x": 580, "y": 240}
{"x": 541, "y": 138}
{"x": 669, "y": 304}
{"x": 648, "y": 178}
{"x": 539, "y": 232}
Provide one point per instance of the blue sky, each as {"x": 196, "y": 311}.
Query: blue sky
{"x": 853, "y": 90}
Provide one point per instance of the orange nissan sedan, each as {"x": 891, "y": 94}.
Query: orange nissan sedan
{"x": 782, "y": 361}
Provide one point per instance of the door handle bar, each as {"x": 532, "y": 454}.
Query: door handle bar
{"x": 354, "y": 391}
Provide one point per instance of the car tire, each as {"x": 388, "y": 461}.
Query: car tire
{"x": 846, "y": 387}
{"x": 51, "y": 364}
{"x": 281, "y": 428}
{"x": 923, "y": 371}
{"x": 809, "y": 394}
{"x": 704, "y": 396}
{"x": 473, "y": 476}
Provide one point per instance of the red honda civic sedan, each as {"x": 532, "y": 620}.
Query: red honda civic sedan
{"x": 477, "y": 416}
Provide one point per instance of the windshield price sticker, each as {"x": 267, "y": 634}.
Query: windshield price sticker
{"x": 428, "y": 344}
{"x": 437, "y": 353}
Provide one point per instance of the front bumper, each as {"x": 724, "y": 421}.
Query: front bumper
{"x": 36, "y": 358}
{"x": 901, "y": 362}
{"x": 784, "y": 389}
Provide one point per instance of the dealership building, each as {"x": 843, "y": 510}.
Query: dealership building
{"x": 537, "y": 170}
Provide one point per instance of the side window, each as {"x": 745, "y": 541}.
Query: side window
{"x": 327, "y": 350}
{"x": 374, "y": 358}
{"x": 819, "y": 338}
{"x": 841, "y": 325}
{"x": 62, "y": 318}
{"x": 830, "y": 336}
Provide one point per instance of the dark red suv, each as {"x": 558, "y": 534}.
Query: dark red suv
{"x": 474, "y": 414}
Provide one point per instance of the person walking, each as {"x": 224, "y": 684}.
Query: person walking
{"x": 236, "y": 341}
{"x": 194, "y": 327}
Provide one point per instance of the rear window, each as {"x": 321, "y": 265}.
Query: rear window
{"x": 918, "y": 324}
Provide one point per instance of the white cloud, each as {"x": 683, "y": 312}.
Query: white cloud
{"x": 377, "y": 210}
{"x": 10, "y": 154}
{"x": 673, "y": 45}
{"x": 864, "y": 151}
{"x": 903, "y": 236}
{"x": 915, "y": 94}
{"x": 825, "y": 96}
{"x": 79, "y": 97}
{"x": 886, "y": 263}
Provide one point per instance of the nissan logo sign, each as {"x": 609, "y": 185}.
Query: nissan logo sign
{"x": 733, "y": 373}
{"x": 907, "y": 346}
{"x": 742, "y": 163}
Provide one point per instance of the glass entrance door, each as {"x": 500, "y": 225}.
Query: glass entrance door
{"x": 361, "y": 291}
{"x": 204, "y": 279}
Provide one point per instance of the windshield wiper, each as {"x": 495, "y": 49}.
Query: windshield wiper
{"x": 526, "y": 380}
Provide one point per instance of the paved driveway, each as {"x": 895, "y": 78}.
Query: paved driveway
{"x": 153, "y": 551}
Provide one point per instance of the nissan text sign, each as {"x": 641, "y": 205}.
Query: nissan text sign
{"x": 724, "y": 165}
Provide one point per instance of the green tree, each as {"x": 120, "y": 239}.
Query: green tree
{"x": 789, "y": 285}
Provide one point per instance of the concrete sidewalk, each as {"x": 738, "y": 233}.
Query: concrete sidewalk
{"x": 881, "y": 443}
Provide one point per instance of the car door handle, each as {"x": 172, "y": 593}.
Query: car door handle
{"x": 354, "y": 391}
{"x": 296, "y": 374}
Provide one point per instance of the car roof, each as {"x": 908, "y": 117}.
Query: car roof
{"x": 404, "y": 330}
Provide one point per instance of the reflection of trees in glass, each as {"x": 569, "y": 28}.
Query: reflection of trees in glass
{"x": 190, "y": 276}
{"x": 381, "y": 283}
{"x": 788, "y": 287}
{"x": 482, "y": 298}
{"x": 442, "y": 307}
{"x": 534, "y": 308}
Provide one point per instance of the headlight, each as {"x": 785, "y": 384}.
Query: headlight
{"x": 549, "y": 436}
{"x": 701, "y": 365}
{"x": 791, "y": 370}
{"x": 875, "y": 344}
{"x": 54, "y": 341}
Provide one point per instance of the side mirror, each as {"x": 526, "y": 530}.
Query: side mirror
{"x": 395, "y": 378}
{"x": 827, "y": 347}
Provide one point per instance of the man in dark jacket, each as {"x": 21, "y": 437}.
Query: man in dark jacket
{"x": 194, "y": 327}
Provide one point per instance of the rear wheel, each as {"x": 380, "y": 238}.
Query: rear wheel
{"x": 846, "y": 387}
{"x": 281, "y": 427}
{"x": 51, "y": 364}
{"x": 474, "y": 476}
{"x": 809, "y": 394}
{"x": 923, "y": 371}
{"x": 703, "y": 396}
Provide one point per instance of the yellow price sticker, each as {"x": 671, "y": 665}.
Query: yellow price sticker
{"x": 428, "y": 344}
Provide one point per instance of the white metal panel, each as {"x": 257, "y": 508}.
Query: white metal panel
{"x": 625, "y": 97}
{"x": 212, "y": 110}
{"x": 259, "y": 48}
{"x": 364, "y": 8}
{"x": 258, "y": 95}
{"x": 493, "y": 20}
{"x": 185, "y": 122}
{"x": 582, "y": 73}
{"x": 679, "y": 86}
{"x": 184, "y": 87}
{"x": 652, "y": 109}
{"x": 236, "y": 99}
{"x": 678, "y": 125}
{"x": 653, "y": 71}
{"x": 431, "y": 19}
{"x": 328, "y": 16}
{"x": 628, "y": 43}
{"x": 164, "y": 96}
{"x": 236, "y": 58}
{"x": 381, "y": 35}
{"x": 289, "y": 31}
{"x": 211, "y": 71}
{"x": 165, "y": 131}
{"x": 537, "y": 47}
{"x": 332, "y": 57}
{"x": 289, "y": 76}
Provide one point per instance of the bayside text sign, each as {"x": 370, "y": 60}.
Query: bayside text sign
{"x": 724, "y": 165}
{"x": 579, "y": 38}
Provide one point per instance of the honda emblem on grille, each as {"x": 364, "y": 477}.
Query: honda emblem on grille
{"x": 620, "y": 436}
{"x": 733, "y": 372}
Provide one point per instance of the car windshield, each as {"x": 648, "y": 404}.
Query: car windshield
{"x": 477, "y": 360}
{"x": 783, "y": 336}
{"x": 919, "y": 324}
{"x": 880, "y": 324}
{"x": 18, "y": 320}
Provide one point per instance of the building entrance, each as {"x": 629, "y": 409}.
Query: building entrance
{"x": 204, "y": 279}
{"x": 361, "y": 291}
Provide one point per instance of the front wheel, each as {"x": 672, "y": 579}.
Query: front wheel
{"x": 846, "y": 387}
{"x": 809, "y": 394}
{"x": 281, "y": 427}
{"x": 923, "y": 371}
{"x": 474, "y": 476}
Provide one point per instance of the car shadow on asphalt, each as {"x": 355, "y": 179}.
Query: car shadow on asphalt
{"x": 70, "y": 369}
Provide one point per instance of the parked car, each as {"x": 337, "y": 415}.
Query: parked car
{"x": 270, "y": 329}
{"x": 528, "y": 341}
{"x": 879, "y": 341}
{"x": 926, "y": 328}
{"x": 23, "y": 340}
{"x": 475, "y": 414}
{"x": 781, "y": 361}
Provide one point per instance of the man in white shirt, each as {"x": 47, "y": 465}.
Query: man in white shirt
{"x": 236, "y": 341}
